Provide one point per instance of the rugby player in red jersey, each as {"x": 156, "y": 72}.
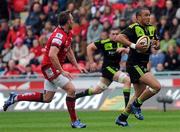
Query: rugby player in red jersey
{"x": 58, "y": 47}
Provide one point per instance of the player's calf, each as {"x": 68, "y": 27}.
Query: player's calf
{"x": 89, "y": 92}
{"x": 84, "y": 93}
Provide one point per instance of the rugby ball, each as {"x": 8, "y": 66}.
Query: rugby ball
{"x": 144, "y": 40}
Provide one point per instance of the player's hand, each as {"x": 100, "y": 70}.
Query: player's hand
{"x": 155, "y": 44}
{"x": 82, "y": 69}
{"x": 67, "y": 74}
{"x": 93, "y": 67}
{"x": 120, "y": 50}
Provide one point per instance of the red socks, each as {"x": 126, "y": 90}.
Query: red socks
{"x": 37, "y": 97}
{"x": 70, "y": 102}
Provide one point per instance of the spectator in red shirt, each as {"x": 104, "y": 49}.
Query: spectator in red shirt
{"x": 36, "y": 50}
{"x": 84, "y": 27}
{"x": 76, "y": 29}
{"x": 18, "y": 6}
{"x": 17, "y": 30}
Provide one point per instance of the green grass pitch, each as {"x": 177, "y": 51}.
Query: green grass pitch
{"x": 155, "y": 121}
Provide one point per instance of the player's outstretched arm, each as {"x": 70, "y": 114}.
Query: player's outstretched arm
{"x": 91, "y": 48}
{"x": 123, "y": 39}
{"x": 73, "y": 60}
{"x": 71, "y": 57}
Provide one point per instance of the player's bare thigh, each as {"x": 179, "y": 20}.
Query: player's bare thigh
{"x": 66, "y": 84}
{"x": 61, "y": 81}
{"x": 149, "y": 79}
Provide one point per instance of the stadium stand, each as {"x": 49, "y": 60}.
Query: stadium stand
{"x": 28, "y": 24}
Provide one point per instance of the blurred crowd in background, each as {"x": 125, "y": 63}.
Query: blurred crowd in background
{"x": 25, "y": 26}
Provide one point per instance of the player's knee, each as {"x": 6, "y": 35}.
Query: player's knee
{"x": 123, "y": 78}
{"x": 155, "y": 89}
{"x": 47, "y": 100}
{"x": 158, "y": 87}
{"x": 127, "y": 80}
{"x": 102, "y": 85}
{"x": 71, "y": 92}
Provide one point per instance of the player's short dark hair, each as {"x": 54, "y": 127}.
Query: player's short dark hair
{"x": 114, "y": 28}
{"x": 139, "y": 10}
{"x": 63, "y": 17}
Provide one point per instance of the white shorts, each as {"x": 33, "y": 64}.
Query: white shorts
{"x": 60, "y": 81}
